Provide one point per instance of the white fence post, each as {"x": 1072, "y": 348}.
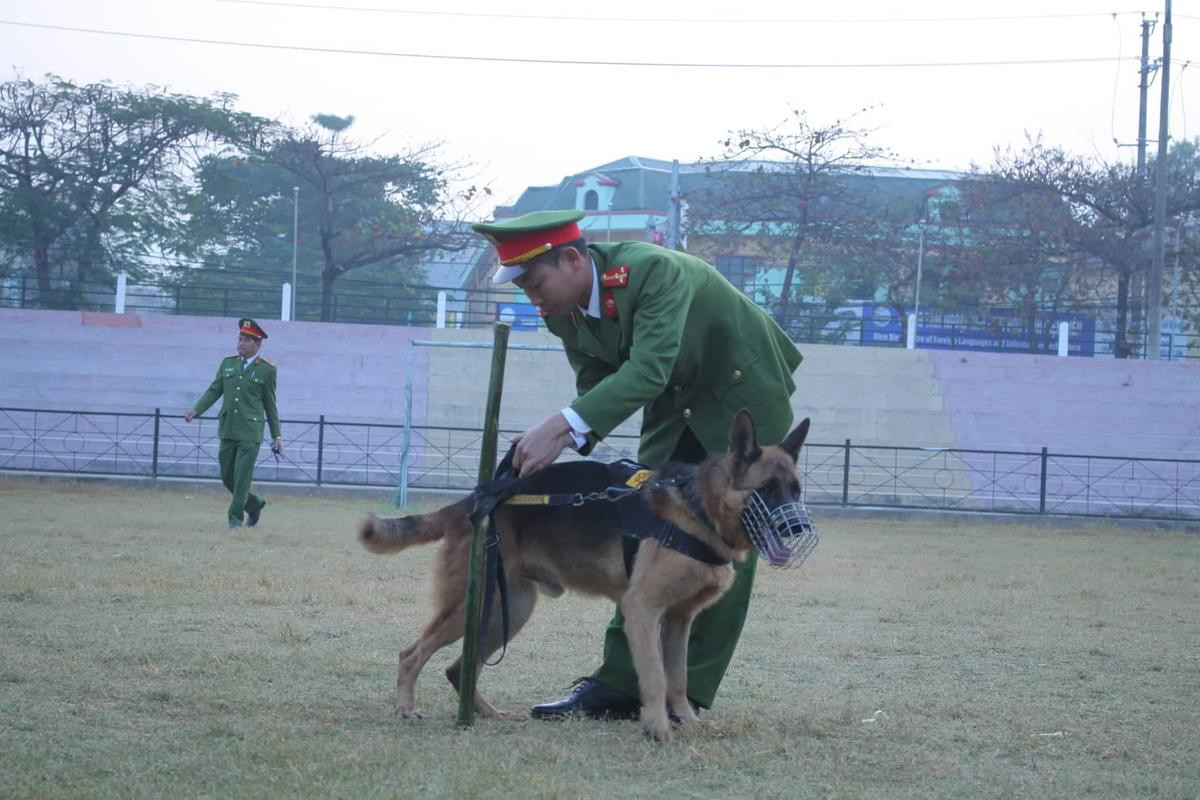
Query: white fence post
{"x": 285, "y": 305}
{"x": 441, "y": 310}
{"x": 1064, "y": 336}
{"x": 119, "y": 303}
{"x": 912, "y": 332}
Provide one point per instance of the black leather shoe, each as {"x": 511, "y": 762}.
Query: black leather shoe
{"x": 252, "y": 517}
{"x": 590, "y": 699}
{"x": 233, "y": 525}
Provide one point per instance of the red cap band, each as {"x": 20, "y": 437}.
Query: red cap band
{"x": 251, "y": 330}
{"x": 524, "y": 246}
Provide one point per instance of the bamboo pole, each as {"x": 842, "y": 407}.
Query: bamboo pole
{"x": 470, "y": 666}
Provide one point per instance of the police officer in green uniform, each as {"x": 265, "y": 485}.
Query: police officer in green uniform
{"x": 247, "y": 383}
{"x": 647, "y": 328}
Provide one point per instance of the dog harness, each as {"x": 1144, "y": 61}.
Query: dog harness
{"x": 627, "y": 480}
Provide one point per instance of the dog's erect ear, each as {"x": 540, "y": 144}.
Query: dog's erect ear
{"x": 791, "y": 445}
{"x": 743, "y": 439}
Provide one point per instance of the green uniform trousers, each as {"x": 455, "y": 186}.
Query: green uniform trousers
{"x": 237, "y": 468}
{"x": 715, "y": 631}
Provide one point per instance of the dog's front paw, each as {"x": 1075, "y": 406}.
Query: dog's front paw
{"x": 656, "y": 726}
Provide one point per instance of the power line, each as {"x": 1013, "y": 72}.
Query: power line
{"x": 671, "y": 20}
{"x": 556, "y": 61}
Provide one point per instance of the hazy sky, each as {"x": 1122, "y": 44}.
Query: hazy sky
{"x": 522, "y": 124}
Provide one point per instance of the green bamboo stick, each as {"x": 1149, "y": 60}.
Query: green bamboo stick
{"x": 487, "y": 464}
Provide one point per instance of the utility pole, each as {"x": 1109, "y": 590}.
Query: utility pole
{"x": 1143, "y": 86}
{"x": 1154, "y": 303}
{"x": 1135, "y": 292}
{"x": 673, "y": 208}
{"x": 295, "y": 238}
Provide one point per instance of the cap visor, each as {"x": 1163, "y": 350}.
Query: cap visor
{"x": 506, "y": 274}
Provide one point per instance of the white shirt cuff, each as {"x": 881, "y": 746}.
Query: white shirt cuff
{"x": 579, "y": 428}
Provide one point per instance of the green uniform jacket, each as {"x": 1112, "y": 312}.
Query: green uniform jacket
{"x": 249, "y": 399}
{"x": 684, "y": 345}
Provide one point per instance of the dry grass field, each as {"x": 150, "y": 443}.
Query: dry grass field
{"x": 146, "y": 651}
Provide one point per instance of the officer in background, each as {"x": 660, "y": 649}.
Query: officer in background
{"x": 247, "y": 383}
{"x": 647, "y": 328}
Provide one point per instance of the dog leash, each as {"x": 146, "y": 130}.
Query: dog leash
{"x": 494, "y": 578}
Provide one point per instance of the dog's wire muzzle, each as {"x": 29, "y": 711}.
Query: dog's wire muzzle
{"x": 784, "y": 536}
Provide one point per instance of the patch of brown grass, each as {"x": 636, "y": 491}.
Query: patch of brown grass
{"x": 149, "y": 651}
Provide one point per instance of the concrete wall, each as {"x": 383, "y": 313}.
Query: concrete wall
{"x": 357, "y": 373}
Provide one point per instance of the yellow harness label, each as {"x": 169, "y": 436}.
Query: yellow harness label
{"x": 636, "y": 480}
{"x": 528, "y": 500}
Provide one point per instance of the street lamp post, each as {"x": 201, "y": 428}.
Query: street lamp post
{"x": 295, "y": 236}
{"x": 917, "y": 293}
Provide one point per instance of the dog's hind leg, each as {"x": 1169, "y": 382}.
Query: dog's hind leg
{"x": 675, "y": 629}
{"x": 444, "y": 629}
{"x": 522, "y": 597}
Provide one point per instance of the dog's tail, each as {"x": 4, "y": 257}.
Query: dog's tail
{"x": 384, "y": 536}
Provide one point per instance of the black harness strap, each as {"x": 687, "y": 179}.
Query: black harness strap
{"x": 504, "y": 482}
{"x": 638, "y": 522}
{"x": 627, "y": 480}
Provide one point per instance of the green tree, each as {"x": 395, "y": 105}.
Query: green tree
{"x": 88, "y": 173}
{"x": 378, "y": 214}
{"x": 1108, "y": 215}
{"x": 792, "y": 189}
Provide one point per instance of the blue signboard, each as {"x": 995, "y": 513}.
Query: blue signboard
{"x": 521, "y": 316}
{"x": 996, "y": 331}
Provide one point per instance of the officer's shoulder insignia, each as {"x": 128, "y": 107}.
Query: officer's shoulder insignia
{"x": 261, "y": 360}
{"x": 617, "y": 276}
{"x": 608, "y": 304}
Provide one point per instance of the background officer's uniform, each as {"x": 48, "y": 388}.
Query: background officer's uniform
{"x": 248, "y": 388}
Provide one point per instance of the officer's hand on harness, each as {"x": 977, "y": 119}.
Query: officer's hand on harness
{"x": 541, "y": 445}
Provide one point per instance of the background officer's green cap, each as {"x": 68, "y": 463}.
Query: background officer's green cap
{"x": 251, "y": 328}
{"x": 522, "y": 238}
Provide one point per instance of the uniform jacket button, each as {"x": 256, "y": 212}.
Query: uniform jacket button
{"x": 678, "y": 388}
{"x": 737, "y": 374}
{"x": 687, "y": 413}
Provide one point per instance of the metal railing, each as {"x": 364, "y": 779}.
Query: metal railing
{"x": 857, "y": 323}
{"x": 327, "y": 452}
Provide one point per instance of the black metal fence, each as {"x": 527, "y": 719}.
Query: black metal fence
{"x": 327, "y": 452}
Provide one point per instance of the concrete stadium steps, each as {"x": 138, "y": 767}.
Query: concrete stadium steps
{"x": 1072, "y": 405}
{"x": 357, "y": 373}
{"x": 110, "y": 362}
{"x": 871, "y": 396}
{"x": 536, "y": 382}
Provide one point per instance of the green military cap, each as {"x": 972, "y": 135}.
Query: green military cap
{"x": 522, "y": 238}
{"x": 251, "y": 328}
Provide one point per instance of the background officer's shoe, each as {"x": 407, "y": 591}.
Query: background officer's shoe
{"x": 591, "y": 699}
{"x": 252, "y": 517}
{"x": 233, "y": 524}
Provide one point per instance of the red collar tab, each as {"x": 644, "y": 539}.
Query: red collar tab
{"x": 608, "y": 303}
{"x": 617, "y": 276}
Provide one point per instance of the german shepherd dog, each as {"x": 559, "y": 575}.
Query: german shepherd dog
{"x": 548, "y": 549}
